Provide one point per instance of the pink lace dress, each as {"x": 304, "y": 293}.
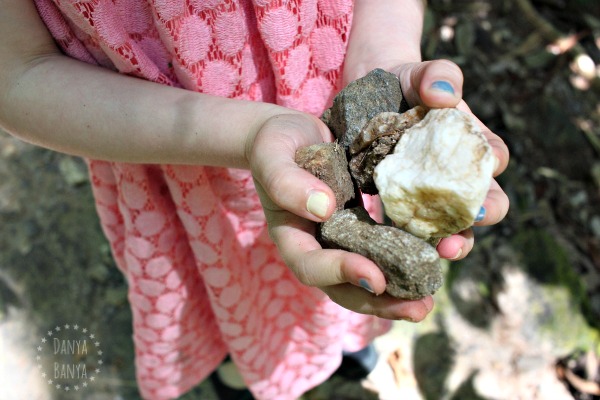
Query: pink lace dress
{"x": 204, "y": 278}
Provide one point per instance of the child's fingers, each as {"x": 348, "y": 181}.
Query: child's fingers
{"x": 495, "y": 205}
{"x": 286, "y": 185}
{"x": 435, "y": 84}
{"x": 314, "y": 266}
{"x": 498, "y": 146}
{"x": 440, "y": 84}
{"x": 383, "y": 306}
{"x": 334, "y": 267}
{"x": 291, "y": 188}
{"x": 349, "y": 279}
{"x": 456, "y": 246}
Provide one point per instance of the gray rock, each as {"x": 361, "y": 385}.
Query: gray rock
{"x": 410, "y": 265}
{"x": 361, "y": 100}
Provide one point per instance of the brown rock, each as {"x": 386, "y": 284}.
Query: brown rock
{"x": 376, "y": 140}
{"x": 327, "y": 161}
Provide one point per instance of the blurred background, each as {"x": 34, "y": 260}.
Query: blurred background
{"x": 517, "y": 319}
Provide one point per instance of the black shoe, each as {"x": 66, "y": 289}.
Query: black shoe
{"x": 357, "y": 365}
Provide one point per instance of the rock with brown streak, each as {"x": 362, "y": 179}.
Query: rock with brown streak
{"x": 376, "y": 140}
{"x": 435, "y": 182}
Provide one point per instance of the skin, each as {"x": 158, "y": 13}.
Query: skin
{"x": 62, "y": 104}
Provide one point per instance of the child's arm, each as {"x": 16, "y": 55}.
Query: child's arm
{"x": 62, "y": 104}
{"x": 387, "y": 34}
{"x": 66, "y": 105}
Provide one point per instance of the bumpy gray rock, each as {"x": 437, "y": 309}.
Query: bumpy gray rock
{"x": 361, "y": 100}
{"x": 411, "y": 266}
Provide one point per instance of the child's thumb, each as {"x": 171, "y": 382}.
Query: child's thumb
{"x": 435, "y": 84}
{"x": 283, "y": 184}
{"x": 290, "y": 188}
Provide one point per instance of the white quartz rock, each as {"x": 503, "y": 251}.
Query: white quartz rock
{"x": 435, "y": 181}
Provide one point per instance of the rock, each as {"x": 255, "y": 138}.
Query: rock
{"x": 387, "y": 124}
{"x": 411, "y": 266}
{"x": 328, "y": 162}
{"x": 376, "y": 140}
{"x": 435, "y": 182}
{"x": 361, "y": 100}
{"x": 362, "y": 166}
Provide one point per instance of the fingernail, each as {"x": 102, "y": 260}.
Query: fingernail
{"x": 496, "y": 163}
{"x": 458, "y": 254}
{"x": 444, "y": 86}
{"x": 481, "y": 215}
{"x": 365, "y": 285}
{"x": 318, "y": 204}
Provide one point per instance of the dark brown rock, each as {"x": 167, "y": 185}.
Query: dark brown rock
{"x": 362, "y": 165}
{"x": 376, "y": 140}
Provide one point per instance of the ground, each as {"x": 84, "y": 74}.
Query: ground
{"x": 527, "y": 296}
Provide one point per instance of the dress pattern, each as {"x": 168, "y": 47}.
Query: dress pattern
{"x": 204, "y": 278}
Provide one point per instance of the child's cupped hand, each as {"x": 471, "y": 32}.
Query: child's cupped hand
{"x": 294, "y": 201}
{"x": 438, "y": 84}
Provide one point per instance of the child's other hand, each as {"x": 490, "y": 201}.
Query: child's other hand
{"x": 438, "y": 84}
{"x": 294, "y": 200}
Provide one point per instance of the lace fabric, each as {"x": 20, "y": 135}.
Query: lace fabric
{"x": 204, "y": 278}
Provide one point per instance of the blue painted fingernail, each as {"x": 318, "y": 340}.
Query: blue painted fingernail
{"x": 444, "y": 86}
{"x": 481, "y": 214}
{"x": 365, "y": 285}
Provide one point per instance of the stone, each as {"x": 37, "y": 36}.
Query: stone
{"x": 361, "y": 100}
{"x": 376, "y": 140}
{"x": 437, "y": 178}
{"x": 328, "y": 162}
{"x": 410, "y": 265}
{"x": 386, "y": 124}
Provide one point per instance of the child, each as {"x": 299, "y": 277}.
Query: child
{"x": 189, "y": 113}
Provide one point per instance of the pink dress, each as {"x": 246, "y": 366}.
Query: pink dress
{"x": 204, "y": 278}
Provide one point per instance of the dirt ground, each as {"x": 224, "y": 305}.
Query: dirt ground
{"x": 531, "y": 74}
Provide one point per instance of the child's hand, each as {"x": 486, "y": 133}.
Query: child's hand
{"x": 294, "y": 200}
{"x": 438, "y": 84}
